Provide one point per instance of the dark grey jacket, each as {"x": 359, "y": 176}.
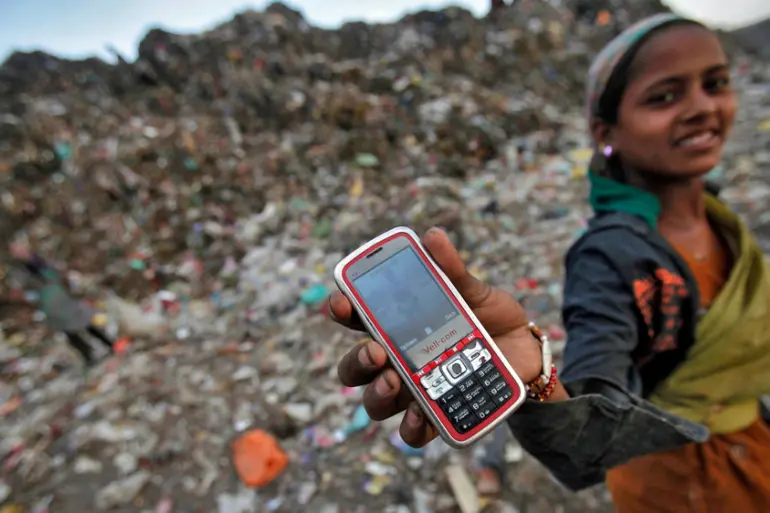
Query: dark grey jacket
{"x": 616, "y": 276}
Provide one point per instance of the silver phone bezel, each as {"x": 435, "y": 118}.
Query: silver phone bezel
{"x": 404, "y": 372}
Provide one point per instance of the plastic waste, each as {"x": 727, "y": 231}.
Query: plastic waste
{"x": 315, "y": 294}
{"x": 258, "y": 458}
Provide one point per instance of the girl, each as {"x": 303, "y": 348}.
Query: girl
{"x": 665, "y": 303}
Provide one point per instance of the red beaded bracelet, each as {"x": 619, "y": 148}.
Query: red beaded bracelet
{"x": 540, "y": 390}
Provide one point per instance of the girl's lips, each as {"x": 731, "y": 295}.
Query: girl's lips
{"x": 702, "y": 141}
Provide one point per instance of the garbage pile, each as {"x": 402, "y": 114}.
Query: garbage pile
{"x": 199, "y": 198}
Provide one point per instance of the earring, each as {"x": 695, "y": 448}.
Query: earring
{"x": 607, "y": 151}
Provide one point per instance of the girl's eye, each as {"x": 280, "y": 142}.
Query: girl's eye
{"x": 717, "y": 84}
{"x": 662, "y": 98}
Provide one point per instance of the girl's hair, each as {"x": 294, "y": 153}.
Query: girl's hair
{"x": 609, "y": 101}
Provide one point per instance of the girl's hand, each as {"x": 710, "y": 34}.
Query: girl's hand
{"x": 367, "y": 364}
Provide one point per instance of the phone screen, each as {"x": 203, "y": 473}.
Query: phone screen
{"x": 411, "y": 307}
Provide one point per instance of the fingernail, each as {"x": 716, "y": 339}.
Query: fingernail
{"x": 382, "y": 387}
{"x": 364, "y": 357}
{"x": 414, "y": 416}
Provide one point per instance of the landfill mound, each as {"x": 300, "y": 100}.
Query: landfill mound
{"x": 199, "y": 197}
{"x": 755, "y": 37}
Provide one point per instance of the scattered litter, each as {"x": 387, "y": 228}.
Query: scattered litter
{"x": 463, "y": 489}
{"x": 122, "y": 492}
{"x": 258, "y": 459}
{"x": 197, "y": 199}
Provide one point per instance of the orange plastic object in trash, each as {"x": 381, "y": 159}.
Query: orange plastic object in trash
{"x": 258, "y": 459}
{"x": 604, "y": 18}
{"x": 121, "y": 345}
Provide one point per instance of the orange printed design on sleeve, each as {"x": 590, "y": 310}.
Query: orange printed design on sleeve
{"x": 659, "y": 297}
{"x": 645, "y": 291}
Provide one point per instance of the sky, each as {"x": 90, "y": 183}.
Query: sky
{"x": 78, "y": 28}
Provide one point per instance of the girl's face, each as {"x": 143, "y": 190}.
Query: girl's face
{"x": 679, "y": 106}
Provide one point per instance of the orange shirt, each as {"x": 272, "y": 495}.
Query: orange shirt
{"x": 710, "y": 270}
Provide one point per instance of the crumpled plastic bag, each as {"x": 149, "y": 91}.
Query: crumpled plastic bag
{"x": 134, "y": 322}
{"x": 258, "y": 458}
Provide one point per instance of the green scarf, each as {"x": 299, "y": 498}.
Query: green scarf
{"x": 607, "y": 195}
{"x": 726, "y": 369}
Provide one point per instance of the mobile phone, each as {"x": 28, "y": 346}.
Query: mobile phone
{"x": 434, "y": 341}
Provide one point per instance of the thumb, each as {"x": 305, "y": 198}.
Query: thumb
{"x": 474, "y": 291}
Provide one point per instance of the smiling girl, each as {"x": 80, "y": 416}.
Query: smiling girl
{"x": 667, "y": 294}
{"x": 680, "y": 317}
{"x": 666, "y": 301}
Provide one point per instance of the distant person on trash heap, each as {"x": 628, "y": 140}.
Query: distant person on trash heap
{"x": 63, "y": 313}
{"x": 666, "y": 301}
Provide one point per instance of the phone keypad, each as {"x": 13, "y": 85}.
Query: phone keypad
{"x": 467, "y": 386}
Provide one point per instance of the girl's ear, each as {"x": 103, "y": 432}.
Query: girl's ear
{"x": 601, "y": 132}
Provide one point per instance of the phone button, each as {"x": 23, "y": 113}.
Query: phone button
{"x": 473, "y": 394}
{"x": 462, "y": 415}
{"x": 480, "y": 402}
{"x": 491, "y": 378}
{"x": 503, "y": 396}
{"x": 453, "y": 407}
{"x": 432, "y": 379}
{"x": 485, "y": 370}
{"x": 450, "y": 397}
{"x": 470, "y": 422}
{"x": 486, "y": 410}
{"x": 435, "y": 384}
{"x": 480, "y": 359}
{"x": 436, "y": 392}
{"x": 499, "y": 388}
{"x": 455, "y": 369}
{"x": 467, "y": 384}
{"x": 473, "y": 349}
